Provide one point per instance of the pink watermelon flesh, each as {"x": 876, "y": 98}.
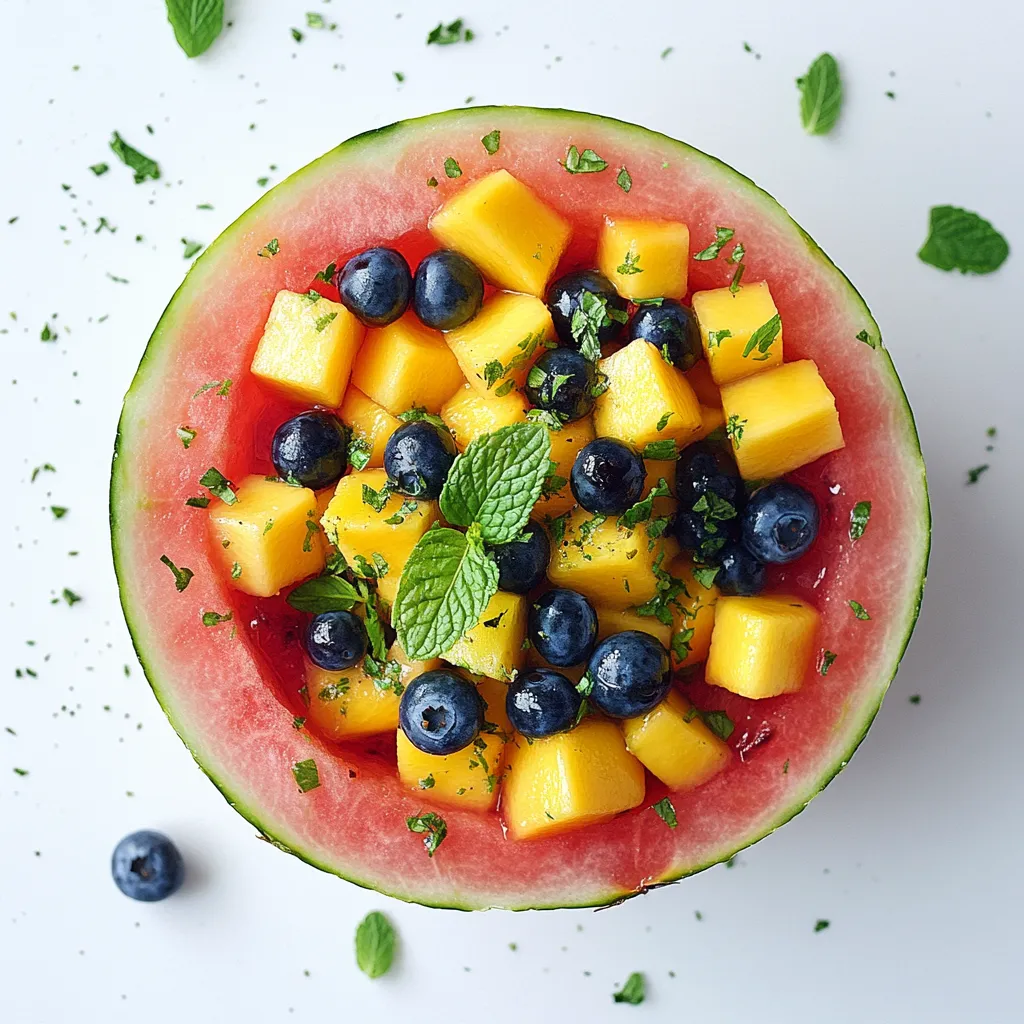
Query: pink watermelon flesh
{"x": 231, "y": 690}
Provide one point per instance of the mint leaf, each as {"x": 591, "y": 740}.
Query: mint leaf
{"x": 821, "y": 96}
{"x": 826, "y": 661}
{"x": 722, "y": 236}
{"x": 641, "y": 512}
{"x": 418, "y": 413}
{"x": 763, "y": 338}
{"x": 961, "y": 240}
{"x": 306, "y": 775}
{"x": 216, "y": 618}
{"x": 142, "y": 165}
{"x": 182, "y": 576}
{"x": 973, "y": 475}
{"x": 497, "y": 481}
{"x": 376, "y": 499}
{"x": 217, "y": 484}
{"x": 591, "y": 315}
{"x": 633, "y": 992}
{"x": 186, "y": 435}
{"x": 661, "y": 451}
{"x": 623, "y": 180}
{"x": 196, "y": 23}
{"x": 359, "y": 453}
{"x": 191, "y": 248}
{"x": 866, "y": 338}
{"x": 665, "y": 810}
{"x": 453, "y": 32}
{"x": 715, "y": 338}
{"x": 451, "y": 167}
{"x": 860, "y": 514}
{"x": 860, "y": 611}
{"x": 630, "y": 264}
{"x": 445, "y": 586}
{"x": 375, "y": 944}
{"x": 587, "y": 162}
{"x": 734, "y": 430}
{"x": 433, "y": 828}
{"x": 324, "y": 594}
{"x": 719, "y": 723}
{"x": 491, "y": 141}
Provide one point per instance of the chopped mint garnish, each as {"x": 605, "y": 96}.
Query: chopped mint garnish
{"x": 491, "y": 141}
{"x": 641, "y": 512}
{"x": 215, "y": 618}
{"x": 734, "y": 429}
{"x": 191, "y": 248}
{"x": 763, "y": 338}
{"x": 974, "y": 474}
{"x": 593, "y": 314}
{"x": 46, "y": 467}
{"x": 70, "y": 597}
{"x": 630, "y": 264}
{"x": 48, "y": 333}
{"x": 186, "y": 435}
{"x": 59, "y": 511}
{"x": 182, "y": 576}
{"x": 272, "y": 248}
{"x": 222, "y": 386}
{"x": 433, "y": 828}
{"x": 376, "y": 499}
{"x": 297, "y": 35}
{"x": 375, "y": 944}
{"x": 432, "y": 182}
{"x": 327, "y": 274}
{"x": 623, "y": 180}
{"x": 201, "y": 502}
{"x": 914, "y": 698}
{"x": 453, "y": 32}
{"x": 587, "y": 162}
{"x": 306, "y": 775}
{"x": 324, "y": 321}
{"x": 826, "y": 661}
{"x": 633, "y": 992}
{"x": 661, "y": 451}
{"x": 719, "y": 723}
{"x": 665, "y": 810}
{"x": 142, "y": 166}
{"x": 715, "y": 338}
{"x": 821, "y": 924}
{"x": 710, "y": 252}
{"x": 451, "y": 168}
{"x": 860, "y": 515}
{"x": 859, "y": 611}
{"x": 821, "y": 95}
{"x": 217, "y": 484}
{"x": 681, "y": 644}
{"x": 865, "y": 337}
{"x": 734, "y": 284}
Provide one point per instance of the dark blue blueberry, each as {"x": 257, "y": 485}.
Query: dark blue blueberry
{"x": 607, "y": 477}
{"x": 780, "y": 522}
{"x": 417, "y": 458}
{"x": 523, "y": 562}
{"x": 147, "y": 866}
{"x": 630, "y": 674}
{"x": 335, "y": 640}
{"x": 672, "y": 329}
{"x": 704, "y": 535}
{"x": 740, "y": 573}
{"x": 708, "y": 467}
{"x": 376, "y": 285}
{"x": 563, "y": 382}
{"x": 441, "y": 712}
{"x": 447, "y": 290}
{"x": 565, "y": 295}
{"x": 311, "y": 448}
{"x": 562, "y": 627}
{"x": 541, "y": 702}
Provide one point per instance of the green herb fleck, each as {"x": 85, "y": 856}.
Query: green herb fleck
{"x": 865, "y": 337}
{"x": 215, "y": 618}
{"x": 186, "y": 435}
{"x": 622, "y": 179}
{"x": 375, "y": 944}
{"x": 451, "y": 168}
{"x": 587, "y": 162}
{"x": 633, "y": 992}
{"x": 182, "y": 576}
{"x": 974, "y": 474}
{"x": 306, "y": 775}
{"x": 710, "y": 252}
{"x": 860, "y": 515}
{"x": 665, "y": 810}
{"x": 142, "y": 166}
{"x": 592, "y": 314}
{"x": 59, "y": 511}
{"x": 859, "y": 611}
{"x": 821, "y": 924}
{"x": 630, "y": 264}
{"x": 763, "y": 338}
{"x": 272, "y": 248}
{"x": 734, "y": 429}
{"x": 491, "y": 141}
{"x": 715, "y": 338}
{"x": 821, "y": 95}
{"x": 453, "y": 32}
{"x": 826, "y": 661}
{"x": 433, "y": 828}
{"x": 191, "y": 248}
{"x": 70, "y": 597}
{"x": 217, "y": 484}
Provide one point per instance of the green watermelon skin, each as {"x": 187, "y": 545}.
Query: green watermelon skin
{"x": 224, "y": 695}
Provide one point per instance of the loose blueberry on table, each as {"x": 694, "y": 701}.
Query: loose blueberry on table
{"x": 504, "y": 520}
{"x": 147, "y": 866}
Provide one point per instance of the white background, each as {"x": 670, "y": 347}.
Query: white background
{"x": 913, "y": 854}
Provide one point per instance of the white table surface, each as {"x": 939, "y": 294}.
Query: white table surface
{"x": 913, "y": 853}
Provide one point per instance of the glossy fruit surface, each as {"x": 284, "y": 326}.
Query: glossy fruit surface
{"x": 447, "y": 290}
{"x": 417, "y": 459}
{"x": 566, "y": 299}
{"x": 542, "y": 702}
{"x": 607, "y": 477}
{"x": 335, "y": 640}
{"x": 523, "y": 562}
{"x": 441, "y": 712}
{"x": 376, "y": 286}
{"x": 780, "y": 522}
{"x": 311, "y": 448}
{"x": 630, "y": 674}
{"x": 672, "y": 329}
{"x": 562, "y": 626}
{"x": 147, "y": 866}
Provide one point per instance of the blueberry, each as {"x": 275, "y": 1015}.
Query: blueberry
{"x": 672, "y": 329}
{"x": 311, "y": 448}
{"x": 376, "y": 285}
{"x": 630, "y": 674}
{"x": 562, "y": 627}
{"x": 541, "y": 703}
{"x": 740, "y": 573}
{"x": 417, "y": 458}
{"x": 780, "y": 522}
{"x": 523, "y": 562}
{"x": 563, "y": 382}
{"x": 441, "y": 712}
{"x": 447, "y": 290}
{"x": 607, "y": 477}
{"x": 703, "y": 534}
{"x": 707, "y": 467}
{"x": 565, "y": 296}
{"x": 335, "y": 640}
{"x": 147, "y": 866}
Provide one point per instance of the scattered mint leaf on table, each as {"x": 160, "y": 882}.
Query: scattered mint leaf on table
{"x": 143, "y": 166}
{"x": 375, "y": 944}
{"x": 665, "y": 810}
{"x": 306, "y": 775}
{"x": 633, "y": 992}
{"x": 974, "y": 474}
{"x": 821, "y": 95}
{"x": 961, "y": 240}
{"x": 70, "y": 597}
{"x": 297, "y": 35}
{"x": 860, "y": 516}
{"x": 182, "y": 576}
{"x": 59, "y": 511}
{"x": 196, "y": 23}
{"x": 324, "y": 594}
{"x": 821, "y": 924}
{"x": 587, "y": 162}
{"x": 99, "y": 169}
{"x": 191, "y": 248}
{"x": 453, "y": 32}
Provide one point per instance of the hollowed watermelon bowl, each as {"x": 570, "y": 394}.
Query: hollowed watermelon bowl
{"x": 226, "y": 690}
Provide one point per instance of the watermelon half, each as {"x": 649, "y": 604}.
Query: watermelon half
{"x": 231, "y": 690}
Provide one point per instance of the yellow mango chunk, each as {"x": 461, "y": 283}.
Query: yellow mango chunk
{"x": 642, "y": 391}
{"x": 645, "y": 259}
{"x": 502, "y": 341}
{"x": 570, "y": 780}
{"x": 405, "y": 365}
{"x": 468, "y": 414}
{"x": 565, "y": 446}
{"x": 674, "y": 745}
{"x": 307, "y": 348}
{"x": 350, "y": 704}
{"x": 781, "y": 420}
{"x": 657, "y": 469}
{"x": 470, "y": 777}
{"x": 610, "y": 565}
{"x": 269, "y": 545}
{"x": 512, "y": 236}
{"x": 355, "y": 528}
{"x": 369, "y": 422}
{"x": 703, "y": 384}
{"x": 740, "y": 313}
{"x": 695, "y": 611}
{"x": 618, "y": 620}
{"x": 494, "y": 646}
{"x": 711, "y": 419}
{"x": 761, "y": 646}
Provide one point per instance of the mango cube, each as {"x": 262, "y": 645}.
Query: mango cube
{"x": 565, "y": 446}
{"x": 569, "y": 780}
{"x": 406, "y": 365}
{"x": 657, "y": 470}
{"x": 263, "y": 540}
{"x": 703, "y": 384}
{"x": 618, "y": 620}
{"x": 369, "y": 422}
{"x": 645, "y": 259}
{"x": 674, "y": 744}
{"x": 781, "y": 420}
{"x": 308, "y": 347}
{"x": 356, "y": 528}
{"x": 512, "y": 236}
{"x": 694, "y": 609}
{"x": 494, "y": 646}
{"x": 468, "y": 414}
{"x": 761, "y": 646}
{"x": 470, "y": 777}
{"x": 740, "y": 313}
{"x": 502, "y": 341}
{"x": 607, "y": 563}
{"x": 647, "y": 400}
{"x": 711, "y": 419}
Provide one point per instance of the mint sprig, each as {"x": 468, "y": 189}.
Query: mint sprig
{"x": 961, "y": 240}
{"x": 821, "y": 95}
{"x": 196, "y": 23}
